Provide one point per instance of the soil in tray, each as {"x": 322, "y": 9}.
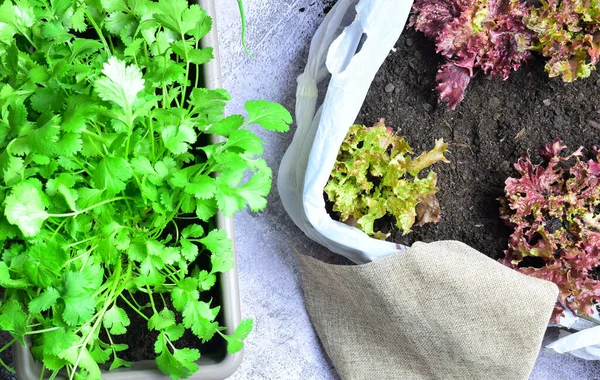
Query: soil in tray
{"x": 495, "y": 124}
{"x": 141, "y": 340}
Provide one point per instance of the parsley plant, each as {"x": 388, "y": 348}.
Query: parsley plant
{"x": 103, "y": 149}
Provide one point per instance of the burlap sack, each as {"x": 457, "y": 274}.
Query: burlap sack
{"x": 437, "y": 311}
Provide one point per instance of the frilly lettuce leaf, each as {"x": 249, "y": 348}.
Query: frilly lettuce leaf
{"x": 554, "y": 210}
{"x": 375, "y": 174}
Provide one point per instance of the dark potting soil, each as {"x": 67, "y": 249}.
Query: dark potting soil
{"x": 141, "y": 340}
{"x": 496, "y": 123}
{"x": 324, "y": 5}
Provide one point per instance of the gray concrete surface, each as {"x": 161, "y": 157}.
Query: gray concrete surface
{"x": 283, "y": 344}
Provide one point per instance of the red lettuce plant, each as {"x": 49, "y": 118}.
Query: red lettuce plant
{"x": 554, "y": 209}
{"x": 567, "y": 31}
{"x": 470, "y": 34}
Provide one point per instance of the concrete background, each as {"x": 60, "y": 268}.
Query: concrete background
{"x": 283, "y": 344}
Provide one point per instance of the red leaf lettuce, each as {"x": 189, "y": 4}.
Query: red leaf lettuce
{"x": 470, "y": 34}
{"x": 554, "y": 209}
{"x": 567, "y": 31}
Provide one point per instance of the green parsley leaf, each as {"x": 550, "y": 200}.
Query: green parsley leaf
{"x": 19, "y": 16}
{"x": 111, "y": 174}
{"x": 227, "y": 126}
{"x": 99, "y": 354}
{"x": 116, "y": 320}
{"x": 25, "y": 209}
{"x": 161, "y": 321}
{"x": 11, "y": 168}
{"x": 199, "y": 317}
{"x": 69, "y": 144}
{"x": 189, "y": 250}
{"x": 201, "y": 56}
{"x": 271, "y": 116}
{"x": 206, "y": 209}
{"x": 57, "y": 341}
{"x": 80, "y": 301}
{"x": 13, "y": 319}
{"x": 185, "y": 292}
{"x": 235, "y": 342}
{"x": 7, "y": 282}
{"x": 199, "y": 22}
{"x": 193, "y": 231}
{"x": 121, "y": 85}
{"x": 119, "y": 363}
{"x": 142, "y": 166}
{"x": 43, "y": 263}
{"x": 176, "y": 139}
{"x": 201, "y": 187}
{"x": 206, "y": 280}
{"x": 246, "y": 141}
{"x": 169, "y": 14}
{"x": 179, "y": 365}
{"x": 208, "y": 104}
{"x": 221, "y": 247}
{"x": 257, "y": 188}
{"x": 70, "y": 196}
{"x": 44, "y": 301}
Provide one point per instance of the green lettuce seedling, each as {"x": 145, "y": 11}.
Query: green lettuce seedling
{"x": 375, "y": 174}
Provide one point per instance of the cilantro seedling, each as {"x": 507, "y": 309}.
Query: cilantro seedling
{"x": 103, "y": 151}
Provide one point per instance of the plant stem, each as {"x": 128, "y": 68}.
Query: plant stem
{"x": 76, "y": 258}
{"x": 8, "y": 344}
{"x": 133, "y": 307}
{"x": 151, "y": 125}
{"x": 82, "y": 241}
{"x": 173, "y": 273}
{"x": 151, "y": 299}
{"x": 197, "y": 79}
{"x": 176, "y": 230}
{"x": 75, "y": 213}
{"x": 109, "y": 302}
{"x": 58, "y": 228}
{"x": 243, "y": 17}
{"x": 82, "y": 166}
{"x": 6, "y": 367}
{"x": 98, "y": 150}
{"x": 187, "y": 71}
{"x": 98, "y": 30}
{"x": 170, "y": 343}
{"x": 163, "y": 300}
{"x": 41, "y": 331}
{"x": 130, "y": 119}
{"x": 134, "y": 301}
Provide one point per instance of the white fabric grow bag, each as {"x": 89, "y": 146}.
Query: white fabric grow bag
{"x": 307, "y": 164}
{"x": 350, "y": 45}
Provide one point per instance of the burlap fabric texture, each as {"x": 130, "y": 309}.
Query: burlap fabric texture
{"x": 437, "y": 311}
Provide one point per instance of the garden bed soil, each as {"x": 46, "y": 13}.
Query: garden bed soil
{"x": 495, "y": 124}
